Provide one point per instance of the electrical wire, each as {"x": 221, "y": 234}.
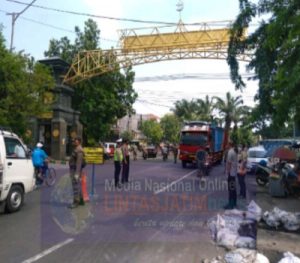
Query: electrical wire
{"x": 215, "y": 23}
{"x": 56, "y": 27}
{"x": 92, "y": 15}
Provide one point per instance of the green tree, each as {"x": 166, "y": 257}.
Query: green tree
{"x": 205, "y": 108}
{"x": 228, "y": 109}
{"x": 23, "y": 85}
{"x": 127, "y": 135}
{"x": 185, "y": 110}
{"x": 170, "y": 125}
{"x": 275, "y": 45}
{"x": 102, "y": 99}
{"x": 152, "y": 130}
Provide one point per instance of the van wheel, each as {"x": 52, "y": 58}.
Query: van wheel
{"x": 15, "y": 199}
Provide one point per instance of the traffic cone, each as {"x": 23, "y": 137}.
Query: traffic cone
{"x": 84, "y": 192}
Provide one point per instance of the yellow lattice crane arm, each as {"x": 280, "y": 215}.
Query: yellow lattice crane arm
{"x": 135, "y": 49}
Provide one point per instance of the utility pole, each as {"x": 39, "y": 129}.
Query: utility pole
{"x": 14, "y": 17}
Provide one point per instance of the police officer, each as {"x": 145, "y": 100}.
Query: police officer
{"x": 76, "y": 164}
{"x": 118, "y": 158}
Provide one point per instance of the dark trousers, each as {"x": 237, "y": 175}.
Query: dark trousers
{"x": 117, "y": 172}
{"x": 232, "y": 196}
{"x": 242, "y": 185}
{"x": 76, "y": 185}
{"x": 125, "y": 171}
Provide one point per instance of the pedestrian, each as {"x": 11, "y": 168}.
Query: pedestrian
{"x": 118, "y": 158}
{"x": 126, "y": 162}
{"x": 134, "y": 152}
{"x": 175, "y": 152}
{"x": 76, "y": 164}
{"x": 231, "y": 171}
{"x": 241, "y": 178}
{"x": 242, "y": 171}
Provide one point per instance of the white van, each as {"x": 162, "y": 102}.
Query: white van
{"x": 16, "y": 171}
{"x": 255, "y": 155}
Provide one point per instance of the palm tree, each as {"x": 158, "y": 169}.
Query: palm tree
{"x": 205, "y": 108}
{"x": 229, "y": 109}
{"x": 185, "y": 110}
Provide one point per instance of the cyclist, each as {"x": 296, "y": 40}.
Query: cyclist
{"x": 40, "y": 162}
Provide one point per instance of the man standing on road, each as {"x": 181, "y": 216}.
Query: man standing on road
{"x": 76, "y": 164}
{"x": 126, "y": 162}
{"x": 231, "y": 171}
{"x": 175, "y": 152}
{"x": 118, "y": 158}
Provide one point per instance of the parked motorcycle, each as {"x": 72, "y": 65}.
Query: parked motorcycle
{"x": 262, "y": 174}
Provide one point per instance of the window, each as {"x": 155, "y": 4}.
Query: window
{"x": 14, "y": 148}
{"x": 193, "y": 138}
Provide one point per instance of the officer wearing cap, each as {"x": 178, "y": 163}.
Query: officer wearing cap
{"x": 76, "y": 164}
{"x": 118, "y": 158}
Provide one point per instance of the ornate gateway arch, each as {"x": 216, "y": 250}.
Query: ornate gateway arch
{"x": 208, "y": 41}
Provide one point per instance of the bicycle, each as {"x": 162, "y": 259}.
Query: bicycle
{"x": 46, "y": 174}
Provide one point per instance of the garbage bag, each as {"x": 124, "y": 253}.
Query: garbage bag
{"x": 271, "y": 219}
{"x": 226, "y": 238}
{"x": 240, "y": 255}
{"x": 245, "y": 242}
{"x": 248, "y": 228}
{"x": 215, "y": 224}
{"x": 254, "y": 211}
{"x": 290, "y": 222}
{"x": 289, "y": 258}
{"x": 260, "y": 258}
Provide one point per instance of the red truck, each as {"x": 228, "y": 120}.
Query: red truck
{"x": 200, "y": 135}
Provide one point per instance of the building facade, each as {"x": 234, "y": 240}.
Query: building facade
{"x": 132, "y": 124}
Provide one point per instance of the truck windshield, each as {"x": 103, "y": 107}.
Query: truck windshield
{"x": 193, "y": 138}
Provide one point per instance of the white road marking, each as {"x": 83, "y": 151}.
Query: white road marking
{"x": 175, "y": 182}
{"x": 48, "y": 251}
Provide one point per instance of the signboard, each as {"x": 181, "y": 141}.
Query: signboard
{"x": 94, "y": 155}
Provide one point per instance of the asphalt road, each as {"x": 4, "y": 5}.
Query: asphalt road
{"x": 159, "y": 216}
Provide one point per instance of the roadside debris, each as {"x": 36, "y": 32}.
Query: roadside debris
{"x": 236, "y": 230}
{"x": 277, "y": 217}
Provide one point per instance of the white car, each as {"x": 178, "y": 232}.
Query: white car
{"x": 109, "y": 148}
{"x": 16, "y": 171}
{"x": 255, "y": 155}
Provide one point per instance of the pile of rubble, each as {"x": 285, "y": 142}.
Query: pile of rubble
{"x": 236, "y": 230}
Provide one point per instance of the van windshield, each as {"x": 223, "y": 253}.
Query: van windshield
{"x": 256, "y": 154}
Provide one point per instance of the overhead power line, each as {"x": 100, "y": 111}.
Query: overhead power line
{"x": 92, "y": 15}
{"x": 56, "y": 27}
{"x": 215, "y": 23}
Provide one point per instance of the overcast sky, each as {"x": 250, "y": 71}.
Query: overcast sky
{"x": 158, "y": 84}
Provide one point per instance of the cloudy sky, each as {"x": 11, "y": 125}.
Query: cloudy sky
{"x": 158, "y": 84}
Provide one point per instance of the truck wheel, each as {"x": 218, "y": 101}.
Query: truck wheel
{"x": 183, "y": 164}
{"x": 15, "y": 199}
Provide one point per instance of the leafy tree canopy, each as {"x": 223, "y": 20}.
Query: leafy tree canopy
{"x": 152, "y": 130}
{"x": 102, "y": 99}
{"x": 23, "y": 85}
{"x": 276, "y": 56}
{"x": 170, "y": 125}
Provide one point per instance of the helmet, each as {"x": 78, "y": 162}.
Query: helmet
{"x": 39, "y": 145}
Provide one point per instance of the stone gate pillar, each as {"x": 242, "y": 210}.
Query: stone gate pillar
{"x": 58, "y": 140}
